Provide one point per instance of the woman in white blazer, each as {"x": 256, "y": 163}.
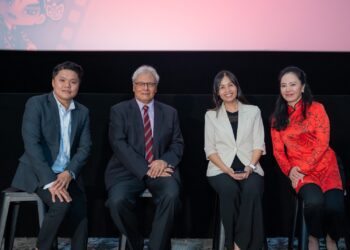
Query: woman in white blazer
{"x": 234, "y": 143}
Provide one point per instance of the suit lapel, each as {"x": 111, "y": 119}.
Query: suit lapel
{"x": 136, "y": 118}
{"x": 55, "y": 117}
{"x": 157, "y": 128}
{"x": 225, "y": 123}
{"x": 241, "y": 121}
{"x": 74, "y": 123}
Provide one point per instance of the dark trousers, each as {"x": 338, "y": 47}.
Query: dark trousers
{"x": 241, "y": 210}
{"x": 76, "y": 210}
{"x": 324, "y": 212}
{"x": 122, "y": 199}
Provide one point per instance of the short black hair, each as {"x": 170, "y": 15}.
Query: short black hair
{"x": 71, "y": 66}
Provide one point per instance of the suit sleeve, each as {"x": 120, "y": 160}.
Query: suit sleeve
{"x": 33, "y": 143}
{"x": 80, "y": 157}
{"x": 279, "y": 152}
{"x": 174, "y": 150}
{"x": 125, "y": 153}
{"x": 259, "y": 133}
{"x": 209, "y": 136}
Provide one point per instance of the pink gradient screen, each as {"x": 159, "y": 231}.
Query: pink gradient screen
{"x": 193, "y": 25}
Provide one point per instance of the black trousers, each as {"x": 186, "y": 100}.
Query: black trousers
{"x": 122, "y": 199}
{"x": 241, "y": 210}
{"x": 324, "y": 212}
{"x": 76, "y": 210}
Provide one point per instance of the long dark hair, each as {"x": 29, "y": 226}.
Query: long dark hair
{"x": 280, "y": 117}
{"x": 216, "y": 86}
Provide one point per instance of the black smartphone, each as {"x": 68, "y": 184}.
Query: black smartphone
{"x": 240, "y": 171}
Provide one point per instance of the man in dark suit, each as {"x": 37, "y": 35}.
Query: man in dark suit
{"x": 57, "y": 143}
{"x": 147, "y": 146}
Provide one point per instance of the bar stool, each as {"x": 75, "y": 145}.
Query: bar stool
{"x": 303, "y": 234}
{"x": 122, "y": 243}
{"x": 15, "y": 196}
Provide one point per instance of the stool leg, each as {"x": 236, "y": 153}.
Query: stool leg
{"x": 13, "y": 225}
{"x": 122, "y": 242}
{"x": 266, "y": 244}
{"x": 41, "y": 212}
{"x": 3, "y": 218}
{"x": 217, "y": 225}
{"x": 303, "y": 244}
{"x": 222, "y": 237}
{"x": 294, "y": 226}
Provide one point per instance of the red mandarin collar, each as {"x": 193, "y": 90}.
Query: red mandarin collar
{"x": 297, "y": 106}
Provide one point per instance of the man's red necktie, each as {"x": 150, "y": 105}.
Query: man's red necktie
{"x": 148, "y": 135}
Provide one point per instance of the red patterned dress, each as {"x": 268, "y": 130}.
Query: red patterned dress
{"x": 305, "y": 143}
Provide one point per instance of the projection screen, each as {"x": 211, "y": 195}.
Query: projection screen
{"x": 175, "y": 25}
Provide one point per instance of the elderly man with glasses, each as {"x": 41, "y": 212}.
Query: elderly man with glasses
{"x": 147, "y": 147}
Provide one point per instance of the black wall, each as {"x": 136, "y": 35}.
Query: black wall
{"x": 180, "y": 72}
{"x": 185, "y": 83}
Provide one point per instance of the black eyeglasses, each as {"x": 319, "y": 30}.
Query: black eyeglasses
{"x": 143, "y": 84}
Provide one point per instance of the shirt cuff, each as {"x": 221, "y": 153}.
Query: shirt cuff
{"x": 72, "y": 174}
{"x": 48, "y": 185}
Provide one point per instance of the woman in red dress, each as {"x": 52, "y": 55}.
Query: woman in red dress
{"x": 300, "y": 139}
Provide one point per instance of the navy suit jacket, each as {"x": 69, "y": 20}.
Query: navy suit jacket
{"x": 41, "y": 136}
{"x": 126, "y": 136}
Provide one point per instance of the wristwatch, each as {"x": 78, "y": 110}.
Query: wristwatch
{"x": 252, "y": 166}
{"x": 71, "y": 173}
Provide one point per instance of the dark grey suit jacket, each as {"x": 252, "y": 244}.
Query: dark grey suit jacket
{"x": 41, "y": 136}
{"x": 126, "y": 136}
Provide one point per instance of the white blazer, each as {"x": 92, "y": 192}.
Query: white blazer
{"x": 219, "y": 137}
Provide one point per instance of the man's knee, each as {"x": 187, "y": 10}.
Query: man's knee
{"x": 170, "y": 194}
{"x": 59, "y": 207}
{"x": 117, "y": 202}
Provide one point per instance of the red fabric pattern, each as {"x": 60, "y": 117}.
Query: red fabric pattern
{"x": 305, "y": 143}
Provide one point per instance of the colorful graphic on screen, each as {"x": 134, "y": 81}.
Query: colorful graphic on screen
{"x": 175, "y": 25}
